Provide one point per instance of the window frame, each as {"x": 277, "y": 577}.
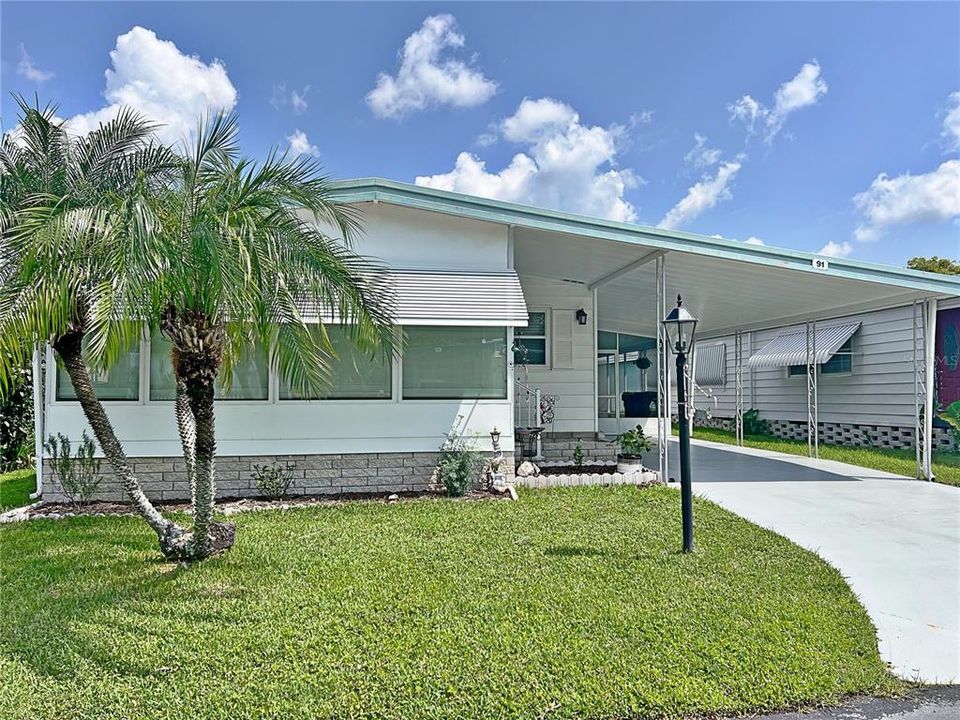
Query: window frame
{"x": 146, "y": 385}
{"x": 518, "y": 336}
{"x": 277, "y": 382}
{"x": 845, "y": 350}
{"x": 50, "y": 389}
{"x": 507, "y": 365}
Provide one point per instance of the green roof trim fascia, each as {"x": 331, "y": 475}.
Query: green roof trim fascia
{"x": 505, "y": 213}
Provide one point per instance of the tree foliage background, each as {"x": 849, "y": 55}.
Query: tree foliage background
{"x": 16, "y": 421}
{"x": 944, "y": 266}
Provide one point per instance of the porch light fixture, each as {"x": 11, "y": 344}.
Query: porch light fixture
{"x": 680, "y": 327}
{"x": 582, "y": 316}
{"x": 495, "y": 438}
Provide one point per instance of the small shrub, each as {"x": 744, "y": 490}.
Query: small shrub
{"x": 459, "y": 464}
{"x": 578, "y": 454}
{"x": 634, "y": 443}
{"x": 753, "y": 424}
{"x": 274, "y": 481}
{"x": 16, "y": 421}
{"x": 79, "y": 474}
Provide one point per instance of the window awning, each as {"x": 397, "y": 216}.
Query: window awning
{"x": 791, "y": 348}
{"x": 451, "y": 297}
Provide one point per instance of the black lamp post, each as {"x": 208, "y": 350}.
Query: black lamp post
{"x": 681, "y": 326}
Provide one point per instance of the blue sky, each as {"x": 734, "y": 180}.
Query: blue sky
{"x": 636, "y": 111}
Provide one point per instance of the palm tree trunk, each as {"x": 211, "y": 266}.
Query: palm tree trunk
{"x": 187, "y": 427}
{"x": 209, "y": 537}
{"x": 68, "y": 348}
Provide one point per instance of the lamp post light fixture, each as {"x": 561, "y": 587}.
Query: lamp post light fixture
{"x": 581, "y": 316}
{"x": 495, "y": 439}
{"x": 681, "y": 327}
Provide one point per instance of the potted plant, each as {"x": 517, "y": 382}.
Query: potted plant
{"x": 633, "y": 444}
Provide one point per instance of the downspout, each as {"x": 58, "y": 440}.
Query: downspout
{"x": 38, "y": 417}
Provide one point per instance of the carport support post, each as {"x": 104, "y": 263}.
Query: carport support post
{"x": 929, "y": 371}
{"x": 686, "y": 490}
{"x": 663, "y": 374}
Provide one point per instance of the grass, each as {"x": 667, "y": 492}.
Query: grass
{"x": 15, "y": 488}
{"x": 946, "y": 465}
{"x": 571, "y": 603}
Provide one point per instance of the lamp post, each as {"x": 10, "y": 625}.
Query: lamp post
{"x": 680, "y": 326}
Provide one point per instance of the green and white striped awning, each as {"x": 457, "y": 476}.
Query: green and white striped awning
{"x": 790, "y": 348}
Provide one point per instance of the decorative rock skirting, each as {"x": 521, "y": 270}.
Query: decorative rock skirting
{"x": 857, "y": 435}
{"x": 545, "y": 479}
{"x": 165, "y": 479}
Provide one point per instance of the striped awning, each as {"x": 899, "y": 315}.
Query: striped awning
{"x": 710, "y": 365}
{"x": 450, "y": 297}
{"x": 791, "y": 348}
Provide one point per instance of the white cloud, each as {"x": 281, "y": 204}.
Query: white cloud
{"x": 702, "y": 196}
{"x": 31, "y": 72}
{"x": 567, "y": 165}
{"x": 300, "y": 145}
{"x": 153, "y": 77}
{"x": 700, "y": 155}
{"x": 644, "y": 117}
{"x": 803, "y": 90}
{"x": 425, "y": 79}
{"x": 295, "y": 99}
{"x": 753, "y": 240}
{"x": 298, "y": 101}
{"x": 836, "y": 250}
{"x": 930, "y": 197}
{"x": 951, "y": 123}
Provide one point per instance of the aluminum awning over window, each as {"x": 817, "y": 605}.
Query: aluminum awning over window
{"x": 791, "y": 348}
{"x": 451, "y": 297}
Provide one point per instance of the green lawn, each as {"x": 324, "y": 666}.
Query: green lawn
{"x": 571, "y": 603}
{"x": 15, "y": 488}
{"x": 946, "y": 466}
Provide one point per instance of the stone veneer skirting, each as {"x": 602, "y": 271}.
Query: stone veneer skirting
{"x": 165, "y": 479}
{"x": 560, "y": 446}
{"x": 857, "y": 435}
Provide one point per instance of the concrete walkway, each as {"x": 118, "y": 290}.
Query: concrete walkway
{"x": 896, "y": 540}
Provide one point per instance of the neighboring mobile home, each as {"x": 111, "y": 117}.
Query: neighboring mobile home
{"x": 583, "y": 297}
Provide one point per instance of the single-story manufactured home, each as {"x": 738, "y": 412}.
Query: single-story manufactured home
{"x": 519, "y": 317}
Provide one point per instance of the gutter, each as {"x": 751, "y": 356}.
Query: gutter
{"x": 38, "y": 408}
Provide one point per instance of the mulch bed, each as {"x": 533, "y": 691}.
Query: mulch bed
{"x": 235, "y": 505}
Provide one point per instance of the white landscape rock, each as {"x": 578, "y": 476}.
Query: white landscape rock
{"x": 527, "y": 469}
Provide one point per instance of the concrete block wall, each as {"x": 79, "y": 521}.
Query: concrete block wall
{"x": 857, "y": 435}
{"x": 165, "y": 479}
{"x": 560, "y": 446}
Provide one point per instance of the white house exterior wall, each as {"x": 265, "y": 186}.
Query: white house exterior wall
{"x": 575, "y": 409}
{"x": 399, "y": 237}
{"x": 879, "y": 391}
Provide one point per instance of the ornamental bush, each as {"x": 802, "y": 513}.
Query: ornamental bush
{"x": 16, "y": 422}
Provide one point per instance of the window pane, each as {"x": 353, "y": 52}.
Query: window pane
{"x": 533, "y": 352}
{"x": 121, "y": 382}
{"x": 251, "y": 376}
{"x": 606, "y": 340}
{"x": 354, "y": 375}
{"x": 455, "y": 362}
{"x": 162, "y": 385}
{"x": 536, "y": 325}
{"x": 837, "y": 364}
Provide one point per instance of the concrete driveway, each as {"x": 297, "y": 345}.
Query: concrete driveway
{"x": 896, "y": 540}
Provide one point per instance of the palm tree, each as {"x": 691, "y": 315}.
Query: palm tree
{"x": 242, "y": 255}
{"x": 67, "y": 210}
